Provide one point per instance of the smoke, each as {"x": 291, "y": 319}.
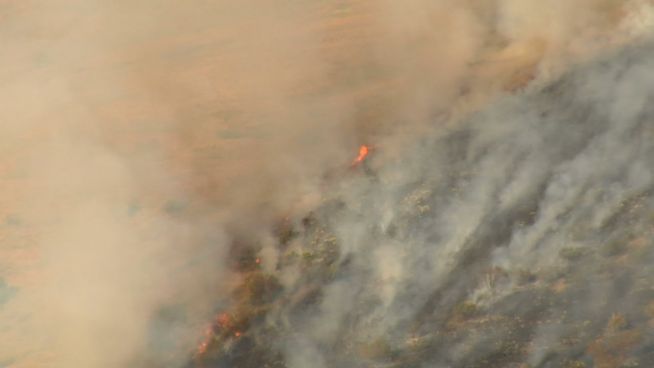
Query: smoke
{"x": 558, "y": 173}
{"x": 147, "y": 142}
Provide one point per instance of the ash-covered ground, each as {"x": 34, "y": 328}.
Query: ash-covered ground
{"x": 521, "y": 237}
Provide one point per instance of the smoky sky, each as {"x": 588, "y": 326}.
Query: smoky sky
{"x": 142, "y": 142}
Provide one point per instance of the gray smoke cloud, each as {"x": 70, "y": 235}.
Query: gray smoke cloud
{"x": 147, "y": 143}
{"x": 510, "y": 239}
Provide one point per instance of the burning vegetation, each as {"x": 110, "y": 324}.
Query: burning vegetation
{"x": 525, "y": 249}
{"x": 348, "y": 184}
{"x": 363, "y": 153}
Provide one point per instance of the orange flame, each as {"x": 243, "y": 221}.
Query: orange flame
{"x": 202, "y": 348}
{"x": 363, "y": 153}
{"x": 223, "y": 320}
{"x": 204, "y": 345}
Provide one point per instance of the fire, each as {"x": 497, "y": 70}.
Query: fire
{"x": 223, "y": 320}
{"x": 363, "y": 153}
{"x": 203, "y": 347}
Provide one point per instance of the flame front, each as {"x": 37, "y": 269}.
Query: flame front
{"x": 223, "y": 322}
{"x": 363, "y": 153}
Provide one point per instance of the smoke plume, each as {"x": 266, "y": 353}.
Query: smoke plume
{"x": 147, "y": 145}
